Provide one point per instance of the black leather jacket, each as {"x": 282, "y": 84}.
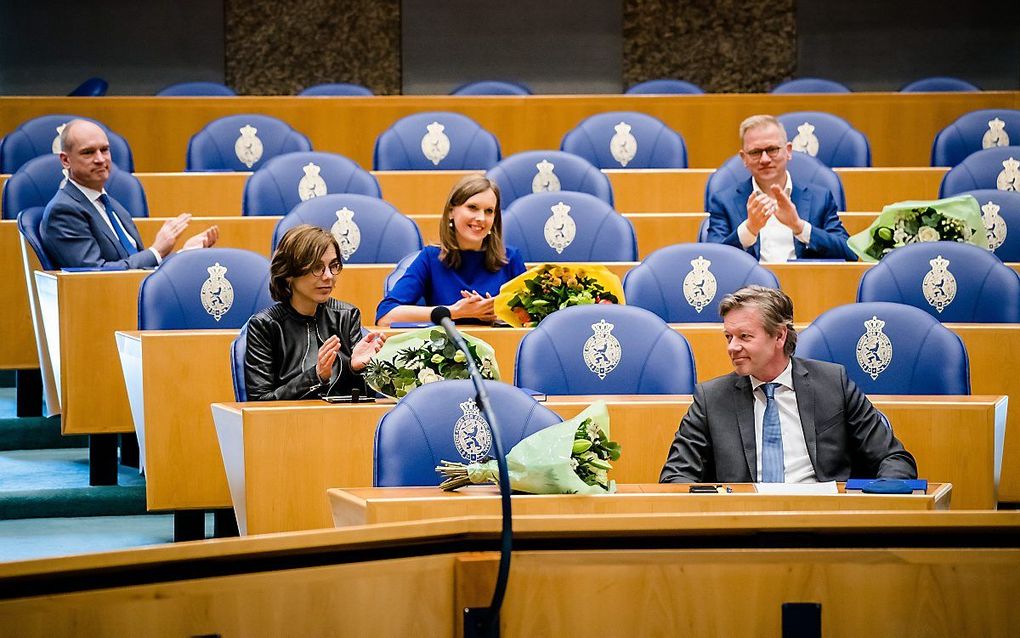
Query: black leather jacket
{"x": 283, "y": 347}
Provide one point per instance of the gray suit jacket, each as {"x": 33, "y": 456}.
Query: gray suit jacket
{"x": 846, "y": 436}
{"x": 76, "y": 236}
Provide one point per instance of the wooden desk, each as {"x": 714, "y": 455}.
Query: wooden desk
{"x": 899, "y": 126}
{"x": 17, "y": 341}
{"x": 324, "y": 446}
{"x": 873, "y": 573}
{"x": 374, "y": 505}
{"x": 247, "y": 233}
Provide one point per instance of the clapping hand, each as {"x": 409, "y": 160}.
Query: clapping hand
{"x": 204, "y": 239}
{"x": 365, "y": 349}
{"x": 473, "y": 305}
{"x": 326, "y": 358}
{"x": 785, "y": 211}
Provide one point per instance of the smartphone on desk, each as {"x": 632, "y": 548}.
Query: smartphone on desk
{"x": 347, "y": 398}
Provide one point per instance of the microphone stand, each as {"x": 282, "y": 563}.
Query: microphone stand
{"x": 484, "y": 622}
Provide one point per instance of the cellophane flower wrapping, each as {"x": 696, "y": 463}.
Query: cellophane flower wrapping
{"x": 950, "y": 219}
{"x": 544, "y": 463}
{"x": 412, "y": 359}
{"x": 533, "y": 295}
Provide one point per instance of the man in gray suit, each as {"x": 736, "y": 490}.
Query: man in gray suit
{"x": 778, "y": 418}
{"x": 83, "y": 227}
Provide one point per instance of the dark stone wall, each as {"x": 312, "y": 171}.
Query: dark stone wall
{"x": 723, "y": 46}
{"x": 279, "y": 48}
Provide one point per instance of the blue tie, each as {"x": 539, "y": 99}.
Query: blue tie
{"x": 117, "y": 227}
{"x": 772, "y": 470}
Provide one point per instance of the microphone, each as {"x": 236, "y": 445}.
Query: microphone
{"x": 485, "y": 622}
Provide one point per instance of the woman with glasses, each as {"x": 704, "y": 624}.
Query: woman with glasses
{"x": 466, "y": 269}
{"x": 308, "y": 344}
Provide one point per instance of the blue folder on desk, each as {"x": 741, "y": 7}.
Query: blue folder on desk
{"x": 887, "y": 486}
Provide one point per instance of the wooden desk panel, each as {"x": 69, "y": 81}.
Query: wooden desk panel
{"x": 17, "y": 340}
{"x": 324, "y": 446}
{"x": 248, "y": 233}
{"x": 201, "y": 194}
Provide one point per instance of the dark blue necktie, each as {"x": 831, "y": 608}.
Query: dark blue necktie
{"x": 772, "y": 468}
{"x": 117, "y": 227}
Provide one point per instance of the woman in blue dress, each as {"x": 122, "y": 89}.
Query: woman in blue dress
{"x": 465, "y": 271}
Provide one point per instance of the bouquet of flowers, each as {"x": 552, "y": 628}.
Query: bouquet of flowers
{"x": 572, "y": 457}
{"x": 412, "y": 359}
{"x": 532, "y": 296}
{"x": 950, "y": 219}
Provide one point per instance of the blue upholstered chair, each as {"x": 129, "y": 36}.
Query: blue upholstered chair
{"x": 336, "y": 89}
{"x": 369, "y": 230}
{"x": 435, "y": 140}
{"x": 38, "y": 181}
{"x": 440, "y": 421}
{"x": 952, "y": 282}
{"x": 889, "y": 348}
{"x": 938, "y": 84}
{"x": 810, "y": 85}
{"x": 398, "y": 272}
{"x": 208, "y": 288}
{"x": 803, "y": 169}
{"x": 196, "y": 89}
{"x": 238, "y": 350}
{"x": 568, "y": 226}
{"x": 29, "y": 221}
{"x": 242, "y": 143}
{"x": 827, "y": 138}
{"x": 626, "y": 139}
{"x": 41, "y": 136}
{"x": 1000, "y": 211}
{"x": 284, "y": 181}
{"x": 684, "y": 283}
{"x": 973, "y": 132}
{"x": 537, "y": 171}
{"x": 492, "y": 87}
{"x": 665, "y": 86}
{"x": 605, "y": 349}
{"x": 92, "y": 87}
{"x": 997, "y": 167}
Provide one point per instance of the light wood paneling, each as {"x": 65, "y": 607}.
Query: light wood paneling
{"x": 248, "y": 233}
{"x": 17, "y": 341}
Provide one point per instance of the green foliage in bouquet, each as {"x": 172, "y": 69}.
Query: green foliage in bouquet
{"x": 554, "y": 288}
{"x": 413, "y": 359}
{"x": 591, "y": 453}
{"x": 917, "y": 225}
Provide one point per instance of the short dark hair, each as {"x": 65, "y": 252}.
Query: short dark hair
{"x": 300, "y": 249}
{"x": 775, "y": 307}
{"x": 449, "y": 250}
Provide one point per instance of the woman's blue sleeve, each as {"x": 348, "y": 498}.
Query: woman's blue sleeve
{"x": 409, "y": 289}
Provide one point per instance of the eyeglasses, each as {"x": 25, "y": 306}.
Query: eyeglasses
{"x": 773, "y": 152}
{"x": 319, "y": 268}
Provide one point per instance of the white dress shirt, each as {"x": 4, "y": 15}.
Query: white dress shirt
{"x": 776, "y": 238}
{"x": 93, "y": 196}
{"x": 796, "y": 462}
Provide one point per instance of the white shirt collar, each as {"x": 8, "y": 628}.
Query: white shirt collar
{"x": 784, "y": 379}
{"x": 93, "y": 195}
{"x": 755, "y": 188}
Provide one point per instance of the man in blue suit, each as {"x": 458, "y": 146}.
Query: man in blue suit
{"x": 768, "y": 215}
{"x": 83, "y": 227}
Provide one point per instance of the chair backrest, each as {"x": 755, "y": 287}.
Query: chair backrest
{"x": 626, "y": 139}
{"x": 938, "y": 84}
{"x": 975, "y": 131}
{"x": 538, "y": 171}
{"x": 684, "y": 283}
{"x": 827, "y": 138}
{"x": 207, "y": 288}
{"x": 92, "y": 87}
{"x": 41, "y": 136}
{"x": 369, "y": 230}
{"x": 398, "y": 272}
{"x": 336, "y": 88}
{"x": 605, "y": 349}
{"x": 889, "y": 348}
{"x": 196, "y": 89}
{"x": 492, "y": 87}
{"x": 38, "y": 181}
{"x": 242, "y": 143}
{"x": 1000, "y": 210}
{"x": 803, "y": 168}
{"x": 568, "y": 226}
{"x": 665, "y": 86}
{"x": 238, "y": 350}
{"x": 284, "y": 181}
{"x": 435, "y": 140}
{"x": 702, "y": 236}
{"x": 441, "y": 422}
{"x": 810, "y": 85}
{"x": 29, "y": 221}
{"x": 997, "y": 167}
{"x": 951, "y": 281}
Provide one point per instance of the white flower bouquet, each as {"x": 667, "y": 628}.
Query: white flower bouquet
{"x": 412, "y": 359}
{"x": 950, "y": 219}
{"x": 572, "y": 457}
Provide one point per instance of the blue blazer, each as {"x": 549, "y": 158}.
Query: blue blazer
{"x": 815, "y": 205}
{"x": 76, "y": 236}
